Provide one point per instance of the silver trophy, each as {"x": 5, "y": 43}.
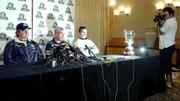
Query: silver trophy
{"x": 129, "y": 40}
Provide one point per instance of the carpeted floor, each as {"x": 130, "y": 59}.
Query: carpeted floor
{"x": 172, "y": 94}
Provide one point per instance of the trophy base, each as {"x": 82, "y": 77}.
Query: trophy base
{"x": 129, "y": 51}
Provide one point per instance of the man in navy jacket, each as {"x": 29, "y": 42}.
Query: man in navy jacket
{"x": 22, "y": 50}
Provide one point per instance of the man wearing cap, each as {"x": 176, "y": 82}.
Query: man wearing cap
{"x": 22, "y": 50}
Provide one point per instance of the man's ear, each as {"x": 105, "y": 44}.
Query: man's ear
{"x": 18, "y": 31}
{"x": 171, "y": 15}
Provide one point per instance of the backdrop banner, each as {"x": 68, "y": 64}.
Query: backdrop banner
{"x": 41, "y": 15}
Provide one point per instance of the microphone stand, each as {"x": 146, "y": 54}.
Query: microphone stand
{"x": 82, "y": 56}
{"x": 90, "y": 51}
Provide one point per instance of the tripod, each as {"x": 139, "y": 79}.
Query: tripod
{"x": 156, "y": 43}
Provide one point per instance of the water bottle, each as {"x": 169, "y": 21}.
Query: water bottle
{"x": 53, "y": 63}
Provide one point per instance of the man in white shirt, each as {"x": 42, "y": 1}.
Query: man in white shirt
{"x": 168, "y": 30}
{"x": 85, "y": 45}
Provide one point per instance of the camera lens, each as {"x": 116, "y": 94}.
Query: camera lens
{"x": 159, "y": 17}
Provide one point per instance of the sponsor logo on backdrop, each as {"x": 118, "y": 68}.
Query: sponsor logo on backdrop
{"x": 21, "y": 17}
{"x": 68, "y": 10}
{"x": 42, "y": 42}
{"x": 61, "y": 17}
{"x": 3, "y": 16}
{"x": 38, "y": 33}
{"x": 68, "y": 26}
{"x": 55, "y": 9}
{"x": 50, "y": 0}
{"x": 70, "y": 3}
{"x": 50, "y": 16}
{"x": 55, "y": 25}
{"x": 41, "y": 24}
{"x": 41, "y": 6}
{"x": 25, "y": 8}
{"x": 10, "y": 26}
{"x": 70, "y": 19}
{"x": 10, "y": 6}
{"x": 50, "y": 33}
{"x": 4, "y": 37}
{"x": 70, "y": 35}
{"x": 39, "y": 15}
{"x": 61, "y": 1}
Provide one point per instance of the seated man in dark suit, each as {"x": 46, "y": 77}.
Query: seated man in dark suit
{"x": 59, "y": 49}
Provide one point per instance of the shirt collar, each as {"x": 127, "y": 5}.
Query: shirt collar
{"x": 83, "y": 38}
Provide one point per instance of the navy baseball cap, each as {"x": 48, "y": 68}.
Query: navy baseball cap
{"x": 22, "y": 26}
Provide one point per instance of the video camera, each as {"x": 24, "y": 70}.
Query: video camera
{"x": 159, "y": 17}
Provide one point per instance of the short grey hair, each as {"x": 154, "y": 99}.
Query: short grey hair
{"x": 58, "y": 29}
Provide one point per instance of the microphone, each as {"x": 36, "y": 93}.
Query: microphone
{"x": 68, "y": 47}
{"x": 49, "y": 51}
{"x": 94, "y": 56}
{"x": 90, "y": 51}
{"x": 72, "y": 49}
{"x": 79, "y": 52}
{"x": 71, "y": 52}
{"x": 82, "y": 56}
{"x": 57, "y": 53}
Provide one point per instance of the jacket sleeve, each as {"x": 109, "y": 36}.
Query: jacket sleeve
{"x": 40, "y": 54}
{"x": 93, "y": 47}
{"x": 9, "y": 54}
{"x": 49, "y": 50}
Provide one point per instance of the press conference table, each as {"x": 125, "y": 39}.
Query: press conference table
{"x": 118, "y": 78}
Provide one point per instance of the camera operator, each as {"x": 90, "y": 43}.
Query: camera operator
{"x": 159, "y": 18}
{"x": 168, "y": 29}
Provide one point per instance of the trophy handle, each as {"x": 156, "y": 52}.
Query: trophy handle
{"x": 125, "y": 35}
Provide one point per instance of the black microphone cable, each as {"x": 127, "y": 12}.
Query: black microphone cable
{"x": 105, "y": 83}
{"x": 131, "y": 82}
{"x": 83, "y": 80}
{"x": 117, "y": 84}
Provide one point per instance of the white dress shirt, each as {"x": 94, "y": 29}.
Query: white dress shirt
{"x": 83, "y": 44}
{"x": 169, "y": 30}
